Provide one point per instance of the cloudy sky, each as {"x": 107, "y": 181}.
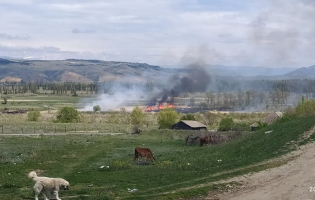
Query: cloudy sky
{"x": 270, "y": 33}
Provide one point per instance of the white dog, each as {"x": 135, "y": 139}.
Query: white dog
{"x": 46, "y": 185}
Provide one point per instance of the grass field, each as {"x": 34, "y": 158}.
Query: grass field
{"x": 102, "y": 167}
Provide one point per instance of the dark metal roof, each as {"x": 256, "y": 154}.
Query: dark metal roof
{"x": 194, "y": 124}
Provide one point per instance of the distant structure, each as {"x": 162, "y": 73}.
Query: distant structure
{"x": 189, "y": 125}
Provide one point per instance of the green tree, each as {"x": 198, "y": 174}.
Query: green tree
{"x": 67, "y": 115}
{"x": 226, "y": 124}
{"x": 33, "y": 115}
{"x": 96, "y": 108}
{"x": 137, "y": 116}
{"x": 167, "y": 117}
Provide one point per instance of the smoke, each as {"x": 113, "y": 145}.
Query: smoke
{"x": 283, "y": 32}
{"x": 197, "y": 79}
{"x": 117, "y": 98}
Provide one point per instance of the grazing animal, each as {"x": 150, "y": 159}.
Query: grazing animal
{"x": 46, "y": 185}
{"x": 143, "y": 152}
{"x": 205, "y": 140}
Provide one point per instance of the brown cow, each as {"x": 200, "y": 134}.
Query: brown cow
{"x": 143, "y": 152}
{"x": 205, "y": 140}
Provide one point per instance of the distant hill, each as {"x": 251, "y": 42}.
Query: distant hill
{"x": 302, "y": 73}
{"x": 81, "y": 71}
{"x": 99, "y": 71}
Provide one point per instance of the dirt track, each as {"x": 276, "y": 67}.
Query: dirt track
{"x": 292, "y": 181}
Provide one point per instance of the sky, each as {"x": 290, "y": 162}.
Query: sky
{"x": 168, "y": 33}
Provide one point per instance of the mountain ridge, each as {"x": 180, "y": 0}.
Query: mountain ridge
{"x": 74, "y": 70}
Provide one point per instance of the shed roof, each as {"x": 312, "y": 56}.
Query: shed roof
{"x": 193, "y": 124}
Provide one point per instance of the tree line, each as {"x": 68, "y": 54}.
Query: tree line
{"x": 48, "y": 87}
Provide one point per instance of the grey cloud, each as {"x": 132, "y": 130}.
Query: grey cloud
{"x": 77, "y": 31}
{"x": 14, "y": 37}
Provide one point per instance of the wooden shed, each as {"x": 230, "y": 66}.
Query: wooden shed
{"x": 189, "y": 125}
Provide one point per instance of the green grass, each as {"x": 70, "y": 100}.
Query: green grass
{"x": 180, "y": 171}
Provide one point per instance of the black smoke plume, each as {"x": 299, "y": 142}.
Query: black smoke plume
{"x": 196, "y": 80}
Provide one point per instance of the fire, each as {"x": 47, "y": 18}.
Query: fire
{"x": 149, "y": 108}
{"x": 161, "y": 106}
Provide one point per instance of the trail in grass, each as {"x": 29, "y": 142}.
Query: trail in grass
{"x": 293, "y": 180}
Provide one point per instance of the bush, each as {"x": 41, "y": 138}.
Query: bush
{"x": 167, "y": 118}
{"x": 67, "y": 115}
{"x": 137, "y": 116}
{"x": 289, "y": 114}
{"x": 33, "y": 115}
{"x": 226, "y": 124}
{"x": 96, "y": 108}
{"x": 305, "y": 108}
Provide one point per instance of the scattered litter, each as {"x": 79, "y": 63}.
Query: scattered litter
{"x": 219, "y": 160}
{"x": 188, "y": 163}
{"x": 9, "y": 174}
{"x": 268, "y": 131}
{"x": 102, "y": 166}
{"x": 91, "y": 185}
{"x": 132, "y": 190}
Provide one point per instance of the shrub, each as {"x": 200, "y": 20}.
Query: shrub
{"x": 137, "y": 116}
{"x": 288, "y": 115}
{"x": 305, "y": 108}
{"x": 33, "y": 115}
{"x": 226, "y": 124}
{"x": 167, "y": 117}
{"x": 67, "y": 115}
{"x": 96, "y": 108}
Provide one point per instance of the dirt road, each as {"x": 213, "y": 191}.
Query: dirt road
{"x": 292, "y": 181}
